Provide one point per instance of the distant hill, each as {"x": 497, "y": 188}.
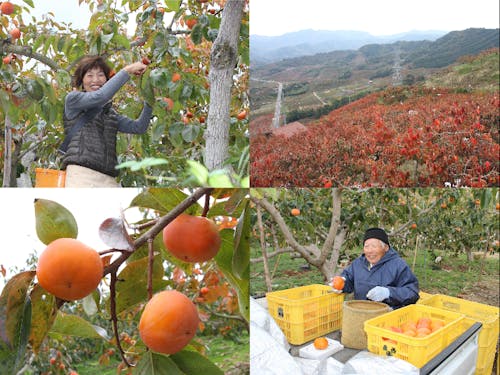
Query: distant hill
{"x": 349, "y": 73}
{"x": 447, "y": 49}
{"x": 266, "y": 49}
{"x": 479, "y": 72}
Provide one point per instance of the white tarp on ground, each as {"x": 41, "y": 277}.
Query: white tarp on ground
{"x": 269, "y": 350}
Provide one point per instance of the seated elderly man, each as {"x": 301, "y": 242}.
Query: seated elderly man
{"x": 380, "y": 274}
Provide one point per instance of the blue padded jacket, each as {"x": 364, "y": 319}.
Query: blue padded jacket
{"x": 391, "y": 272}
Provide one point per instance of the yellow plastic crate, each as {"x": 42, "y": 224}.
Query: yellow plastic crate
{"x": 418, "y": 351}
{"x": 474, "y": 312}
{"x": 306, "y": 312}
{"x": 423, "y": 296}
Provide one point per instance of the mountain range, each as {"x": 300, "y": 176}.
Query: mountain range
{"x": 267, "y": 49}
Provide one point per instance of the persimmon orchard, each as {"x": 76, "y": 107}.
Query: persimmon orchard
{"x": 329, "y": 231}
{"x": 187, "y": 64}
{"x": 133, "y": 301}
{"x": 401, "y": 137}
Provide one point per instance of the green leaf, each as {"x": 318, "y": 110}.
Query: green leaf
{"x": 72, "y": 325}
{"x": 187, "y": 90}
{"x": 12, "y": 305}
{"x": 29, "y": 2}
{"x": 197, "y": 34}
{"x": 172, "y": 5}
{"x": 156, "y": 364}
{"x": 43, "y": 315}
{"x": 53, "y": 221}
{"x": 219, "y": 179}
{"x": 190, "y": 133}
{"x": 175, "y": 133}
{"x": 35, "y": 90}
{"x": 193, "y": 363}
{"x": 224, "y": 260}
{"x": 159, "y": 77}
{"x": 163, "y": 200}
{"x": 241, "y": 256}
{"x": 23, "y": 333}
{"x": 198, "y": 171}
{"x": 89, "y": 305}
{"x": 122, "y": 41}
{"x": 133, "y": 280}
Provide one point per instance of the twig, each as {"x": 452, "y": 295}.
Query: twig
{"x": 151, "y": 260}
{"x": 143, "y": 225}
{"x": 114, "y": 319}
{"x": 206, "y": 207}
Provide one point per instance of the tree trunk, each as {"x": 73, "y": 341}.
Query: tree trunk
{"x": 7, "y": 161}
{"x": 223, "y": 59}
{"x": 267, "y": 274}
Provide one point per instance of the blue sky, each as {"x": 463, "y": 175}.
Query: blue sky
{"x": 381, "y": 17}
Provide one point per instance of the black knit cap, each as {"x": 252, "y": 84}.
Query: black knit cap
{"x": 376, "y": 233}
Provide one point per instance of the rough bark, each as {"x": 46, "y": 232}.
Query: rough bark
{"x": 7, "y": 169}
{"x": 223, "y": 60}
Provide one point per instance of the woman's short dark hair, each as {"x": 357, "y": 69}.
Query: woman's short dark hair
{"x": 87, "y": 63}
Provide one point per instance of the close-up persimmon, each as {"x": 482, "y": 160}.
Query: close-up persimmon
{"x": 320, "y": 343}
{"x": 69, "y": 269}
{"x": 168, "y": 322}
{"x": 7, "y": 8}
{"x": 338, "y": 283}
{"x": 192, "y": 238}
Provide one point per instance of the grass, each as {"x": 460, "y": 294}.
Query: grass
{"x": 455, "y": 276}
{"x": 225, "y": 353}
{"x": 93, "y": 367}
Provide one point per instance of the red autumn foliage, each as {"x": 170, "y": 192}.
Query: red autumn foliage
{"x": 400, "y": 137}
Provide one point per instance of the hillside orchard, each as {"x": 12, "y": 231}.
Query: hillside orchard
{"x": 401, "y": 137}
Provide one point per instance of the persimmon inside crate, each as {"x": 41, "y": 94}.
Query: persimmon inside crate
{"x": 474, "y": 312}
{"x": 381, "y": 339}
{"x": 306, "y": 312}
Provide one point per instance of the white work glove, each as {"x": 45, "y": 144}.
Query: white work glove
{"x": 379, "y": 293}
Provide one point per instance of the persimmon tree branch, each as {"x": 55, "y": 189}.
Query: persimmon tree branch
{"x": 275, "y": 214}
{"x": 28, "y": 52}
{"x": 161, "y": 223}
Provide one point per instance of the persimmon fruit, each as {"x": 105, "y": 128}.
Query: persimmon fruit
{"x": 192, "y": 238}
{"x": 295, "y": 212}
{"x": 69, "y": 269}
{"x": 338, "y": 283}
{"x": 15, "y": 33}
{"x": 176, "y": 77}
{"x": 191, "y": 22}
{"x": 242, "y": 115}
{"x": 169, "y": 103}
{"x": 320, "y": 343}
{"x": 168, "y": 322}
{"x": 7, "y": 8}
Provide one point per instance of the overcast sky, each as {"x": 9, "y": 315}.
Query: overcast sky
{"x": 381, "y": 17}
{"x": 90, "y": 207}
{"x": 70, "y": 12}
